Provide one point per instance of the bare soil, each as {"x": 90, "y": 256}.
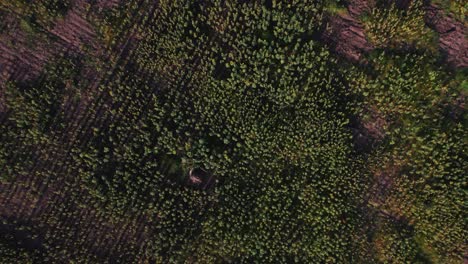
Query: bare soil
{"x": 453, "y": 40}
{"x": 345, "y": 33}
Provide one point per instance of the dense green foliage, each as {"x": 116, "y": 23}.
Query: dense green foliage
{"x": 246, "y": 92}
{"x": 390, "y": 26}
{"x": 423, "y": 155}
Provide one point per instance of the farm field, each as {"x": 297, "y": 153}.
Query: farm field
{"x": 254, "y": 131}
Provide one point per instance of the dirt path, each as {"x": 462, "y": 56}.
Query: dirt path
{"x": 453, "y": 41}
{"x": 345, "y": 33}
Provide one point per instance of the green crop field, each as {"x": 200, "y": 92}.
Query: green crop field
{"x": 301, "y": 131}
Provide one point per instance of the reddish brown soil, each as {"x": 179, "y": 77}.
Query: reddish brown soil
{"x": 359, "y": 7}
{"x": 370, "y": 132}
{"x": 75, "y": 31}
{"x": 24, "y": 54}
{"x": 20, "y": 59}
{"x": 452, "y": 36}
{"x": 345, "y": 33}
{"x": 383, "y": 181}
{"x": 107, "y": 3}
